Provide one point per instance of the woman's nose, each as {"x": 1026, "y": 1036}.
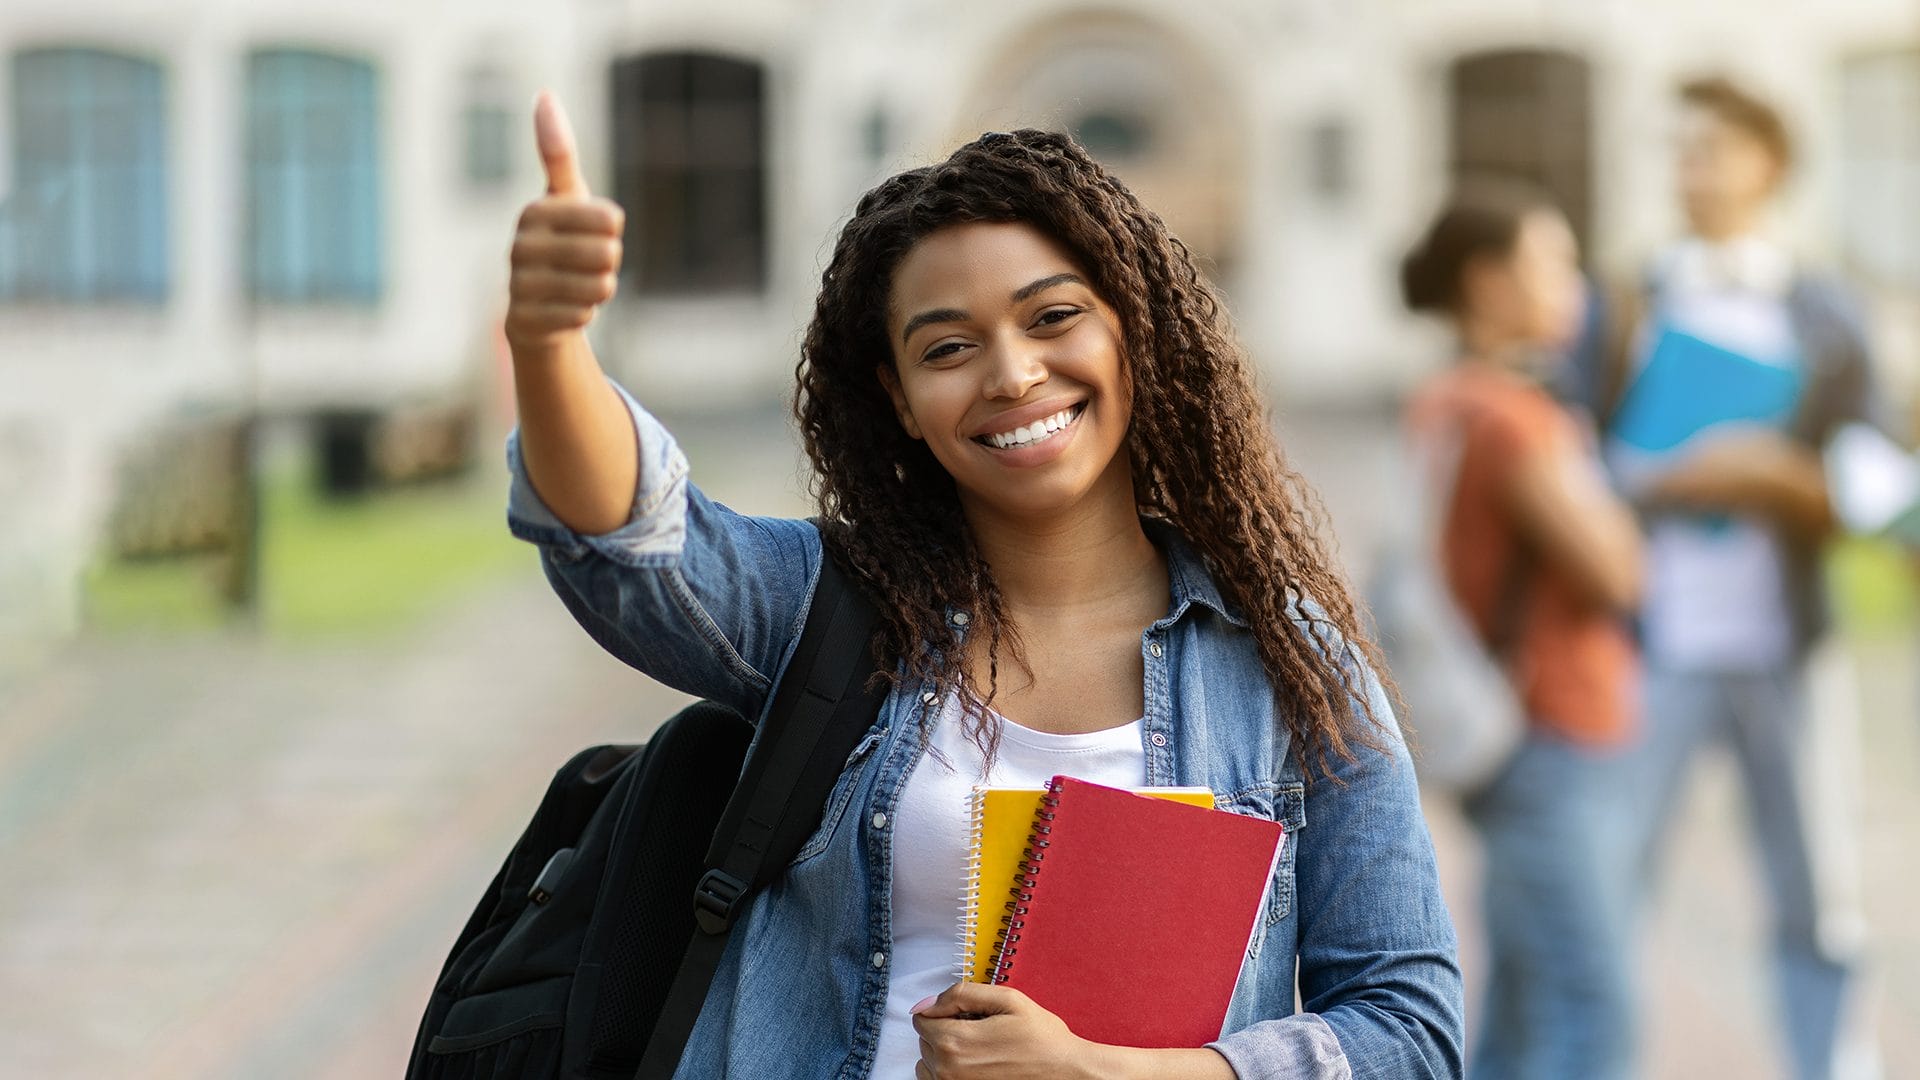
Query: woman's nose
{"x": 1016, "y": 368}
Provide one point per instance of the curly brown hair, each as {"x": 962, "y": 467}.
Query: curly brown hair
{"x": 1203, "y": 455}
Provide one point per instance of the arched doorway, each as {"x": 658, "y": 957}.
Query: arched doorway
{"x": 1151, "y": 108}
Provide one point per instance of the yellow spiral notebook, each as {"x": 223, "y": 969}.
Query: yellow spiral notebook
{"x": 1002, "y": 820}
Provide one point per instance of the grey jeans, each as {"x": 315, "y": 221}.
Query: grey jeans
{"x": 1762, "y": 717}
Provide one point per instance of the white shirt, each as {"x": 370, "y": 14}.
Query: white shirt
{"x": 930, "y": 830}
{"x": 1716, "y": 590}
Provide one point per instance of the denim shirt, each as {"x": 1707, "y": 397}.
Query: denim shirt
{"x": 711, "y": 602}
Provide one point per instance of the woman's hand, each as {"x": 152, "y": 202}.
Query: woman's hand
{"x": 971, "y": 1030}
{"x": 975, "y": 1032}
{"x": 566, "y": 248}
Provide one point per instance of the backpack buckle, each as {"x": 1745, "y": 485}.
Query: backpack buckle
{"x": 714, "y": 900}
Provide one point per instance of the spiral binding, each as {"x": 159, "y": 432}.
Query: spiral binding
{"x": 970, "y": 888}
{"x": 1006, "y": 939}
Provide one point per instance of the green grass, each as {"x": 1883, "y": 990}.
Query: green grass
{"x": 327, "y": 568}
{"x": 1874, "y": 590}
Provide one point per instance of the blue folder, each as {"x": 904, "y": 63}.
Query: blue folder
{"x": 1688, "y": 385}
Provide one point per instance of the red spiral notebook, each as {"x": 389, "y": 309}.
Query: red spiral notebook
{"x": 1131, "y": 916}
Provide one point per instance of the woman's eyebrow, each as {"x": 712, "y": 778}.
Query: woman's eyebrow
{"x": 938, "y": 315}
{"x": 1045, "y": 283}
{"x": 1024, "y": 292}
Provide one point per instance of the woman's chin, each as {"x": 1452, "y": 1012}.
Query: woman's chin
{"x": 1028, "y": 497}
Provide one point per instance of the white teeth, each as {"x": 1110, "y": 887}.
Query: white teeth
{"x": 1034, "y": 432}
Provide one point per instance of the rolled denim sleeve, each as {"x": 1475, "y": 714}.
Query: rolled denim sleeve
{"x": 1379, "y": 975}
{"x": 690, "y": 592}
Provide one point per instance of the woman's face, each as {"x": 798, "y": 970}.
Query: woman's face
{"x": 1534, "y": 295}
{"x": 1007, "y": 365}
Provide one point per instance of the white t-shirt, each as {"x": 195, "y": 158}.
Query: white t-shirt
{"x": 930, "y": 850}
{"x": 1716, "y": 589}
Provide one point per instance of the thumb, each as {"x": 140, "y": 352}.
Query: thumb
{"x": 554, "y": 134}
{"x": 968, "y": 999}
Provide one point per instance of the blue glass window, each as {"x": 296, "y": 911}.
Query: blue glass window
{"x": 87, "y": 217}
{"x": 313, "y": 178}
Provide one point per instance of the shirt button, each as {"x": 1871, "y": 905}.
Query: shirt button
{"x": 879, "y": 959}
{"x": 879, "y": 819}
{"x": 959, "y": 618}
{"x": 1157, "y": 739}
{"x": 928, "y": 697}
{"x": 1156, "y": 650}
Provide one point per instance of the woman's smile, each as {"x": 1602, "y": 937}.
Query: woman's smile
{"x": 1023, "y": 445}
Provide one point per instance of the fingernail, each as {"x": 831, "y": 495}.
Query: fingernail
{"x": 923, "y": 1003}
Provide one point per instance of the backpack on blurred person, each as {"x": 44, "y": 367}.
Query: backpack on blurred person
{"x": 1466, "y": 717}
{"x": 592, "y": 950}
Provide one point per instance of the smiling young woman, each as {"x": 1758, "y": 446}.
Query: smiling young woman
{"x": 1018, "y": 394}
{"x": 1036, "y": 446}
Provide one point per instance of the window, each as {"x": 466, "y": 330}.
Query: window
{"x": 1880, "y": 165}
{"x": 1524, "y": 114}
{"x": 876, "y": 136}
{"x": 87, "y": 220}
{"x": 486, "y": 129}
{"x": 690, "y": 167}
{"x": 313, "y": 182}
{"x": 1114, "y": 135}
{"x": 1330, "y": 167}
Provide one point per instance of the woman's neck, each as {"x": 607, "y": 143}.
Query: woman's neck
{"x": 1487, "y": 346}
{"x": 1090, "y": 558}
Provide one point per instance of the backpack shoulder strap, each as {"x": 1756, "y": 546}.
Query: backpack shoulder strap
{"x": 821, "y": 708}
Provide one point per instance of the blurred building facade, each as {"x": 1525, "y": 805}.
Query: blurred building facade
{"x": 221, "y": 205}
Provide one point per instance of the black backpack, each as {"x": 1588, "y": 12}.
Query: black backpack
{"x": 590, "y": 954}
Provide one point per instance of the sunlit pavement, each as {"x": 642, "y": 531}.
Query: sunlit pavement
{"x": 238, "y": 858}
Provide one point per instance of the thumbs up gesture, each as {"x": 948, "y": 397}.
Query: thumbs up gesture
{"x": 566, "y": 247}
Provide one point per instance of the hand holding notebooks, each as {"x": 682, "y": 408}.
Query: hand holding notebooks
{"x": 1131, "y": 916}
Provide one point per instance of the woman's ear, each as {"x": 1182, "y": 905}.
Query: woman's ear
{"x": 891, "y": 380}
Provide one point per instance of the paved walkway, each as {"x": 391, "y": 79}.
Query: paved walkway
{"x": 237, "y": 858}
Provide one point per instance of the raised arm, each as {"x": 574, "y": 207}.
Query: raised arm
{"x": 701, "y": 598}
{"x": 575, "y": 433}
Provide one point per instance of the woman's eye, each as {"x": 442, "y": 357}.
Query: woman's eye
{"x": 942, "y": 352}
{"x": 1056, "y": 316}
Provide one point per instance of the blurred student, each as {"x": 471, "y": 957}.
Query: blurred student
{"x": 1544, "y": 560}
{"x": 1736, "y": 365}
